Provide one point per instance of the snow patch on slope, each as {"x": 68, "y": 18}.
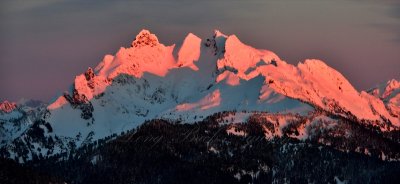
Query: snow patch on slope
{"x": 209, "y": 101}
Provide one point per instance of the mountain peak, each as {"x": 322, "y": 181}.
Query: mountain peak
{"x": 145, "y": 38}
{"x": 218, "y": 33}
{"x": 240, "y": 57}
{"x": 189, "y": 51}
{"x": 384, "y": 90}
{"x": 393, "y": 83}
{"x": 7, "y": 106}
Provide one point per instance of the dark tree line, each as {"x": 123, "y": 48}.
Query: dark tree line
{"x": 161, "y": 151}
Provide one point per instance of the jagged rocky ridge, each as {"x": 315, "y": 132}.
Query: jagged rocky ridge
{"x": 196, "y": 80}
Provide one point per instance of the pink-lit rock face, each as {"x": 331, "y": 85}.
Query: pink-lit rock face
{"x": 146, "y": 55}
{"x": 388, "y": 90}
{"x": 392, "y": 86}
{"x": 7, "y": 106}
{"x": 145, "y": 38}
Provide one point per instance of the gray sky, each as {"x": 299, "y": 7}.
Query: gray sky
{"x": 45, "y": 43}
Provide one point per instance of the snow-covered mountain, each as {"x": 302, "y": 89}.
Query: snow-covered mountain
{"x": 389, "y": 93}
{"x": 16, "y": 118}
{"x": 189, "y": 83}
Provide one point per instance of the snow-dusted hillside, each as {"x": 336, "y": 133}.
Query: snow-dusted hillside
{"x": 188, "y": 83}
{"x": 16, "y": 118}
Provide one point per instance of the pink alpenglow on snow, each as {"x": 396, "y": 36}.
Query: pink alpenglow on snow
{"x": 7, "y": 106}
{"x": 189, "y": 52}
{"x": 389, "y": 93}
{"x": 229, "y": 77}
{"x": 209, "y": 101}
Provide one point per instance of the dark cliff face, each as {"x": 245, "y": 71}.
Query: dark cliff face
{"x": 162, "y": 151}
{"x": 81, "y": 102}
